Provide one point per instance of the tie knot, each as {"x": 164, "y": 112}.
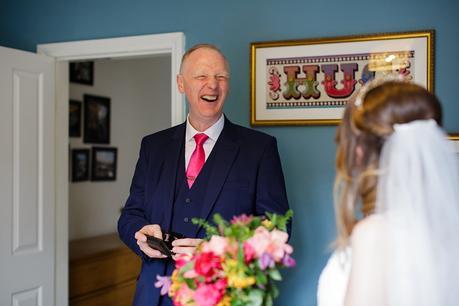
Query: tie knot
{"x": 200, "y": 138}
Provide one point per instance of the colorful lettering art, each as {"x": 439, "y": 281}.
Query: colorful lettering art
{"x": 328, "y": 81}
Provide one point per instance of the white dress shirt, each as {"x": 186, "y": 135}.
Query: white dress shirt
{"x": 213, "y": 132}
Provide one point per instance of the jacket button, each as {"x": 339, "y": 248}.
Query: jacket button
{"x": 185, "y": 219}
{"x": 187, "y": 200}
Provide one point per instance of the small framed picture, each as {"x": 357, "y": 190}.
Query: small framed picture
{"x": 96, "y": 119}
{"x": 74, "y": 118}
{"x": 82, "y": 73}
{"x": 80, "y": 165}
{"x": 103, "y": 164}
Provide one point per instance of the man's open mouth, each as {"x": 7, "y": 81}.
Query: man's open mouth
{"x": 209, "y": 98}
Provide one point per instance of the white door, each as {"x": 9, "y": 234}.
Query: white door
{"x": 27, "y": 179}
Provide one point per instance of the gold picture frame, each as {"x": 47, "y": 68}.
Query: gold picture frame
{"x": 308, "y": 81}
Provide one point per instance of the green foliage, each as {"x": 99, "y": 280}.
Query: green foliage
{"x": 262, "y": 279}
{"x": 255, "y": 297}
{"x": 210, "y": 230}
{"x": 243, "y": 231}
{"x": 280, "y": 221}
{"x": 275, "y": 275}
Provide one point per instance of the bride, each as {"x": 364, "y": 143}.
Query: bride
{"x": 396, "y": 203}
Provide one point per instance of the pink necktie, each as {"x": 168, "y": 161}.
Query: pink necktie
{"x": 197, "y": 159}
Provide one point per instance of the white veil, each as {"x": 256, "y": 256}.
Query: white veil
{"x": 418, "y": 193}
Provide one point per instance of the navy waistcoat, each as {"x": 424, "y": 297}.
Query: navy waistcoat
{"x": 188, "y": 202}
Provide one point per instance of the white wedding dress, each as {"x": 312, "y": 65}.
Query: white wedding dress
{"x": 334, "y": 278}
{"x": 369, "y": 240}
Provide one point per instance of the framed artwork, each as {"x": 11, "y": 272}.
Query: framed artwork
{"x": 96, "y": 119}
{"x": 103, "y": 164}
{"x": 80, "y": 165}
{"x": 309, "y": 81}
{"x": 74, "y": 118}
{"x": 82, "y": 73}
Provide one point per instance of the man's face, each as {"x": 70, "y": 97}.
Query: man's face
{"x": 205, "y": 81}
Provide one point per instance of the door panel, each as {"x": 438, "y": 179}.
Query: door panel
{"x": 26, "y": 178}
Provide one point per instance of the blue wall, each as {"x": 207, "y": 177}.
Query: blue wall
{"x": 307, "y": 152}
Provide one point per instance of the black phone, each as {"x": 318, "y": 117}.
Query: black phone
{"x": 164, "y": 245}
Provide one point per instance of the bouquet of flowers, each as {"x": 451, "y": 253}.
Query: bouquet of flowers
{"x": 236, "y": 265}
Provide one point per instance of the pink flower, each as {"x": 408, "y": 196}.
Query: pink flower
{"x": 273, "y": 243}
{"x": 182, "y": 260}
{"x": 183, "y": 296}
{"x": 242, "y": 219}
{"x": 207, "y": 264}
{"x": 190, "y": 274}
{"x": 266, "y": 261}
{"x": 163, "y": 282}
{"x": 260, "y": 240}
{"x": 288, "y": 261}
{"x": 221, "y": 284}
{"x": 216, "y": 245}
{"x": 208, "y": 294}
{"x": 278, "y": 246}
{"x": 249, "y": 252}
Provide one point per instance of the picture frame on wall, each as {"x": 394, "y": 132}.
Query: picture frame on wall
{"x": 309, "y": 81}
{"x": 96, "y": 119}
{"x": 80, "y": 165}
{"x": 82, "y": 72}
{"x": 74, "y": 118}
{"x": 104, "y": 163}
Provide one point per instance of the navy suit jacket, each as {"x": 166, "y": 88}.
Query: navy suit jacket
{"x": 246, "y": 178}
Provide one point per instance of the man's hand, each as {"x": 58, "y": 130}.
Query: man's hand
{"x": 185, "y": 245}
{"x": 151, "y": 230}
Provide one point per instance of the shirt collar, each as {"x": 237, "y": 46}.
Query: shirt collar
{"x": 213, "y": 132}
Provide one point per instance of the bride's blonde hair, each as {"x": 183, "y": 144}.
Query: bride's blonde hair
{"x": 368, "y": 120}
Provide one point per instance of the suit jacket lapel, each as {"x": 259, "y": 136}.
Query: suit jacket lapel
{"x": 224, "y": 153}
{"x": 171, "y": 163}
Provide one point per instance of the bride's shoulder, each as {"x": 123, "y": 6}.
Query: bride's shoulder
{"x": 369, "y": 230}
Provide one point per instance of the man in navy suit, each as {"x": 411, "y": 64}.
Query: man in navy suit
{"x": 241, "y": 173}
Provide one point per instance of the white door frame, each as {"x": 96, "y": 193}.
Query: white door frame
{"x": 156, "y": 44}
{"x": 172, "y": 44}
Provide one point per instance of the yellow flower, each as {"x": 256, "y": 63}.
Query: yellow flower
{"x": 175, "y": 284}
{"x": 236, "y": 275}
{"x": 174, "y": 275}
{"x": 230, "y": 264}
{"x": 225, "y": 301}
{"x": 240, "y": 281}
{"x": 267, "y": 223}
